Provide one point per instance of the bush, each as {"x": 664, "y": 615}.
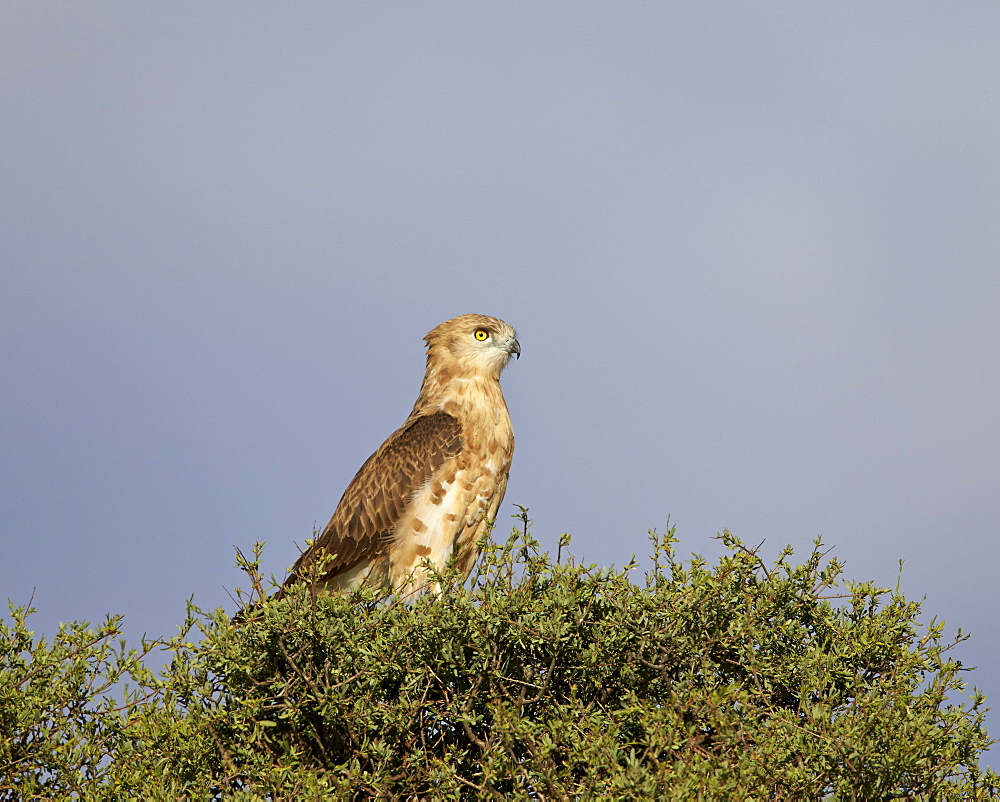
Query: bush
{"x": 543, "y": 678}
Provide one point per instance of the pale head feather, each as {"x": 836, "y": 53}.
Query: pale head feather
{"x": 471, "y": 346}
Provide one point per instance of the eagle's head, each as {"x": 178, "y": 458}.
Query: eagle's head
{"x": 472, "y": 346}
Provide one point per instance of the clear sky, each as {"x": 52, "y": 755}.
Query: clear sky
{"x": 752, "y": 252}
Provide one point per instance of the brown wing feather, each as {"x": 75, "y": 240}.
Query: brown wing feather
{"x": 377, "y": 496}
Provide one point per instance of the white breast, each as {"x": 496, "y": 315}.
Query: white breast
{"x": 429, "y": 531}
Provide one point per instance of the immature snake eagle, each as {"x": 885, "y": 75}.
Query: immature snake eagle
{"x": 432, "y": 489}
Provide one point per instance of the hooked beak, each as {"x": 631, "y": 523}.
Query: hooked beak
{"x": 514, "y": 347}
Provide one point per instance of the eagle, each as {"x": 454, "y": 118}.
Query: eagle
{"x": 432, "y": 489}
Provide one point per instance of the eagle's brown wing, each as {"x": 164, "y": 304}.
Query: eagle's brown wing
{"x": 377, "y": 496}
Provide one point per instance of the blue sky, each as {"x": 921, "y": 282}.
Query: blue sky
{"x": 752, "y": 254}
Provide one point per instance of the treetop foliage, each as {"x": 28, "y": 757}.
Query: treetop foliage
{"x": 541, "y": 677}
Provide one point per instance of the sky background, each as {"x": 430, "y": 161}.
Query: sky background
{"x": 752, "y": 253}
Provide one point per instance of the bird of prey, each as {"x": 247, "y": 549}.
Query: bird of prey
{"x": 433, "y": 487}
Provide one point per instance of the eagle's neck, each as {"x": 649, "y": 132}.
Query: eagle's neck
{"x": 453, "y": 387}
{"x": 475, "y": 397}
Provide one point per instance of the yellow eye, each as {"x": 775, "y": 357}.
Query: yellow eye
{"x": 481, "y": 334}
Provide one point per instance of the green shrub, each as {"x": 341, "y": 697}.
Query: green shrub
{"x": 542, "y": 678}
